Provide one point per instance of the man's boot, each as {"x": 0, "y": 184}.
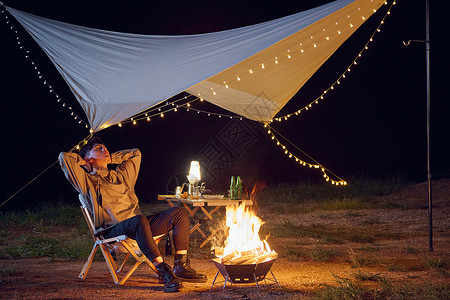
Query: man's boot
{"x": 183, "y": 270}
{"x": 171, "y": 283}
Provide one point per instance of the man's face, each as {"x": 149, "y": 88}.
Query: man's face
{"x": 99, "y": 155}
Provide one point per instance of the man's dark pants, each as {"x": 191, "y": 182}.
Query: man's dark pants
{"x": 143, "y": 229}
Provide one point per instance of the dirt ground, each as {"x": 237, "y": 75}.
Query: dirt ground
{"x": 400, "y": 255}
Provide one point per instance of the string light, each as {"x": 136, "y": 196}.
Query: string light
{"x": 301, "y": 49}
{"x": 315, "y": 165}
{"x": 343, "y": 75}
{"x": 237, "y": 78}
{"x": 173, "y": 106}
{"x": 21, "y": 47}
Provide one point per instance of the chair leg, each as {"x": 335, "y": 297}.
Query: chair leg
{"x": 88, "y": 263}
{"x": 123, "y": 263}
{"x": 110, "y": 263}
{"x": 133, "y": 268}
{"x": 141, "y": 259}
{"x": 151, "y": 265}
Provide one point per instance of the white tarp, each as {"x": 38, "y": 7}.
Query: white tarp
{"x": 252, "y": 71}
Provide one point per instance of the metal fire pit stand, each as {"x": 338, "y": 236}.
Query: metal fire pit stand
{"x": 240, "y": 274}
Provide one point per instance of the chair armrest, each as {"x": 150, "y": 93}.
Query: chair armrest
{"x": 111, "y": 240}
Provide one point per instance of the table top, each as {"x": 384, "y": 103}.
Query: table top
{"x": 205, "y": 202}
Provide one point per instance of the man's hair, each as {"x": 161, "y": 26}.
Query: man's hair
{"x": 89, "y": 145}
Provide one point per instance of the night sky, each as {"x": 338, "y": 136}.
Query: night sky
{"x": 373, "y": 124}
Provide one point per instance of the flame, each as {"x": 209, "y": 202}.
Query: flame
{"x": 257, "y": 187}
{"x": 243, "y": 237}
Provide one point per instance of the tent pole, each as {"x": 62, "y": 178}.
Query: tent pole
{"x": 430, "y": 206}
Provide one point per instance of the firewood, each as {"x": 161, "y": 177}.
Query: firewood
{"x": 268, "y": 256}
{"x": 243, "y": 259}
{"x": 232, "y": 255}
{"x": 228, "y": 257}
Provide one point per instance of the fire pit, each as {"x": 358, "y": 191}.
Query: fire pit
{"x": 245, "y": 258}
{"x": 247, "y": 273}
{"x": 244, "y": 273}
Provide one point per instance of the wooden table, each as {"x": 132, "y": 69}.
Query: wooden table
{"x": 208, "y": 206}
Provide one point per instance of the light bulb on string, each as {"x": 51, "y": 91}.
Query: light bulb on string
{"x": 302, "y": 163}
{"x": 301, "y": 50}
{"x": 238, "y": 78}
{"x": 40, "y": 76}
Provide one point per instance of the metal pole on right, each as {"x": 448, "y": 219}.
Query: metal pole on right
{"x": 430, "y": 206}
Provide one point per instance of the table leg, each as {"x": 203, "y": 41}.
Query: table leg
{"x": 191, "y": 212}
{"x": 196, "y": 227}
{"x": 207, "y": 238}
{"x": 209, "y": 214}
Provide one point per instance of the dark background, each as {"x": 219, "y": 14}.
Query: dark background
{"x": 373, "y": 124}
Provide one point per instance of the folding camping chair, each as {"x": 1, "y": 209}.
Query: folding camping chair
{"x": 121, "y": 244}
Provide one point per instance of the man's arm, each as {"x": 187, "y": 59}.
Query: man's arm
{"x": 129, "y": 163}
{"x": 75, "y": 169}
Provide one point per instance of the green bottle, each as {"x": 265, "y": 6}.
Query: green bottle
{"x": 232, "y": 187}
{"x": 238, "y": 188}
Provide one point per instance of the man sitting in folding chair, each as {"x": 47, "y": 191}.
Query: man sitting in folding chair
{"x": 115, "y": 208}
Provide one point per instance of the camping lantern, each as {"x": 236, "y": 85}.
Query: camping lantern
{"x": 194, "y": 177}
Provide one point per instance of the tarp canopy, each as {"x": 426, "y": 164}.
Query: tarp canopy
{"x": 252, "y": 71}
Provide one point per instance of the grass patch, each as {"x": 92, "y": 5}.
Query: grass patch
{"x": 38, "y": 240}
{"x": 361, "y": 261}
{"x": 412, "y": 250}
{"x": 346, "y": 203}
{"x": 359, "y": 190}
{"x": 371, "y": 248}
{"x": 347, "y": 289}
{"x": 392, "y": 267}
{"x": 45, "y": 214}
{"x": 366, "y": 276}
{"x": 323, "y": 254}
{"x": 363, "y": 238}
{"x": 435, "y": 263}
{"x": 370, "y": 221}
{"x": 317, "y": 253}
{"x": 328, "y": 234}
{"x": 7, "y": 271}
{"x": 293, "y": 254}
{"x": 29, "y": 247}
{"x": 358, "y": 261}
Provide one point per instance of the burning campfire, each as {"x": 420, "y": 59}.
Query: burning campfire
{"x": 245, "y": 258}
{"x": 243, "y": 244}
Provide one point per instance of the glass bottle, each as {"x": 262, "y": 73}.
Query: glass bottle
{"x": 232, "y": 186}
{"x": 238, "y": 188}
{"x": 168, "y": 246}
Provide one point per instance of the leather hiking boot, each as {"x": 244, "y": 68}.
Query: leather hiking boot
{"x": 183, "y": 270}
{"x": 171, "y": 283}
